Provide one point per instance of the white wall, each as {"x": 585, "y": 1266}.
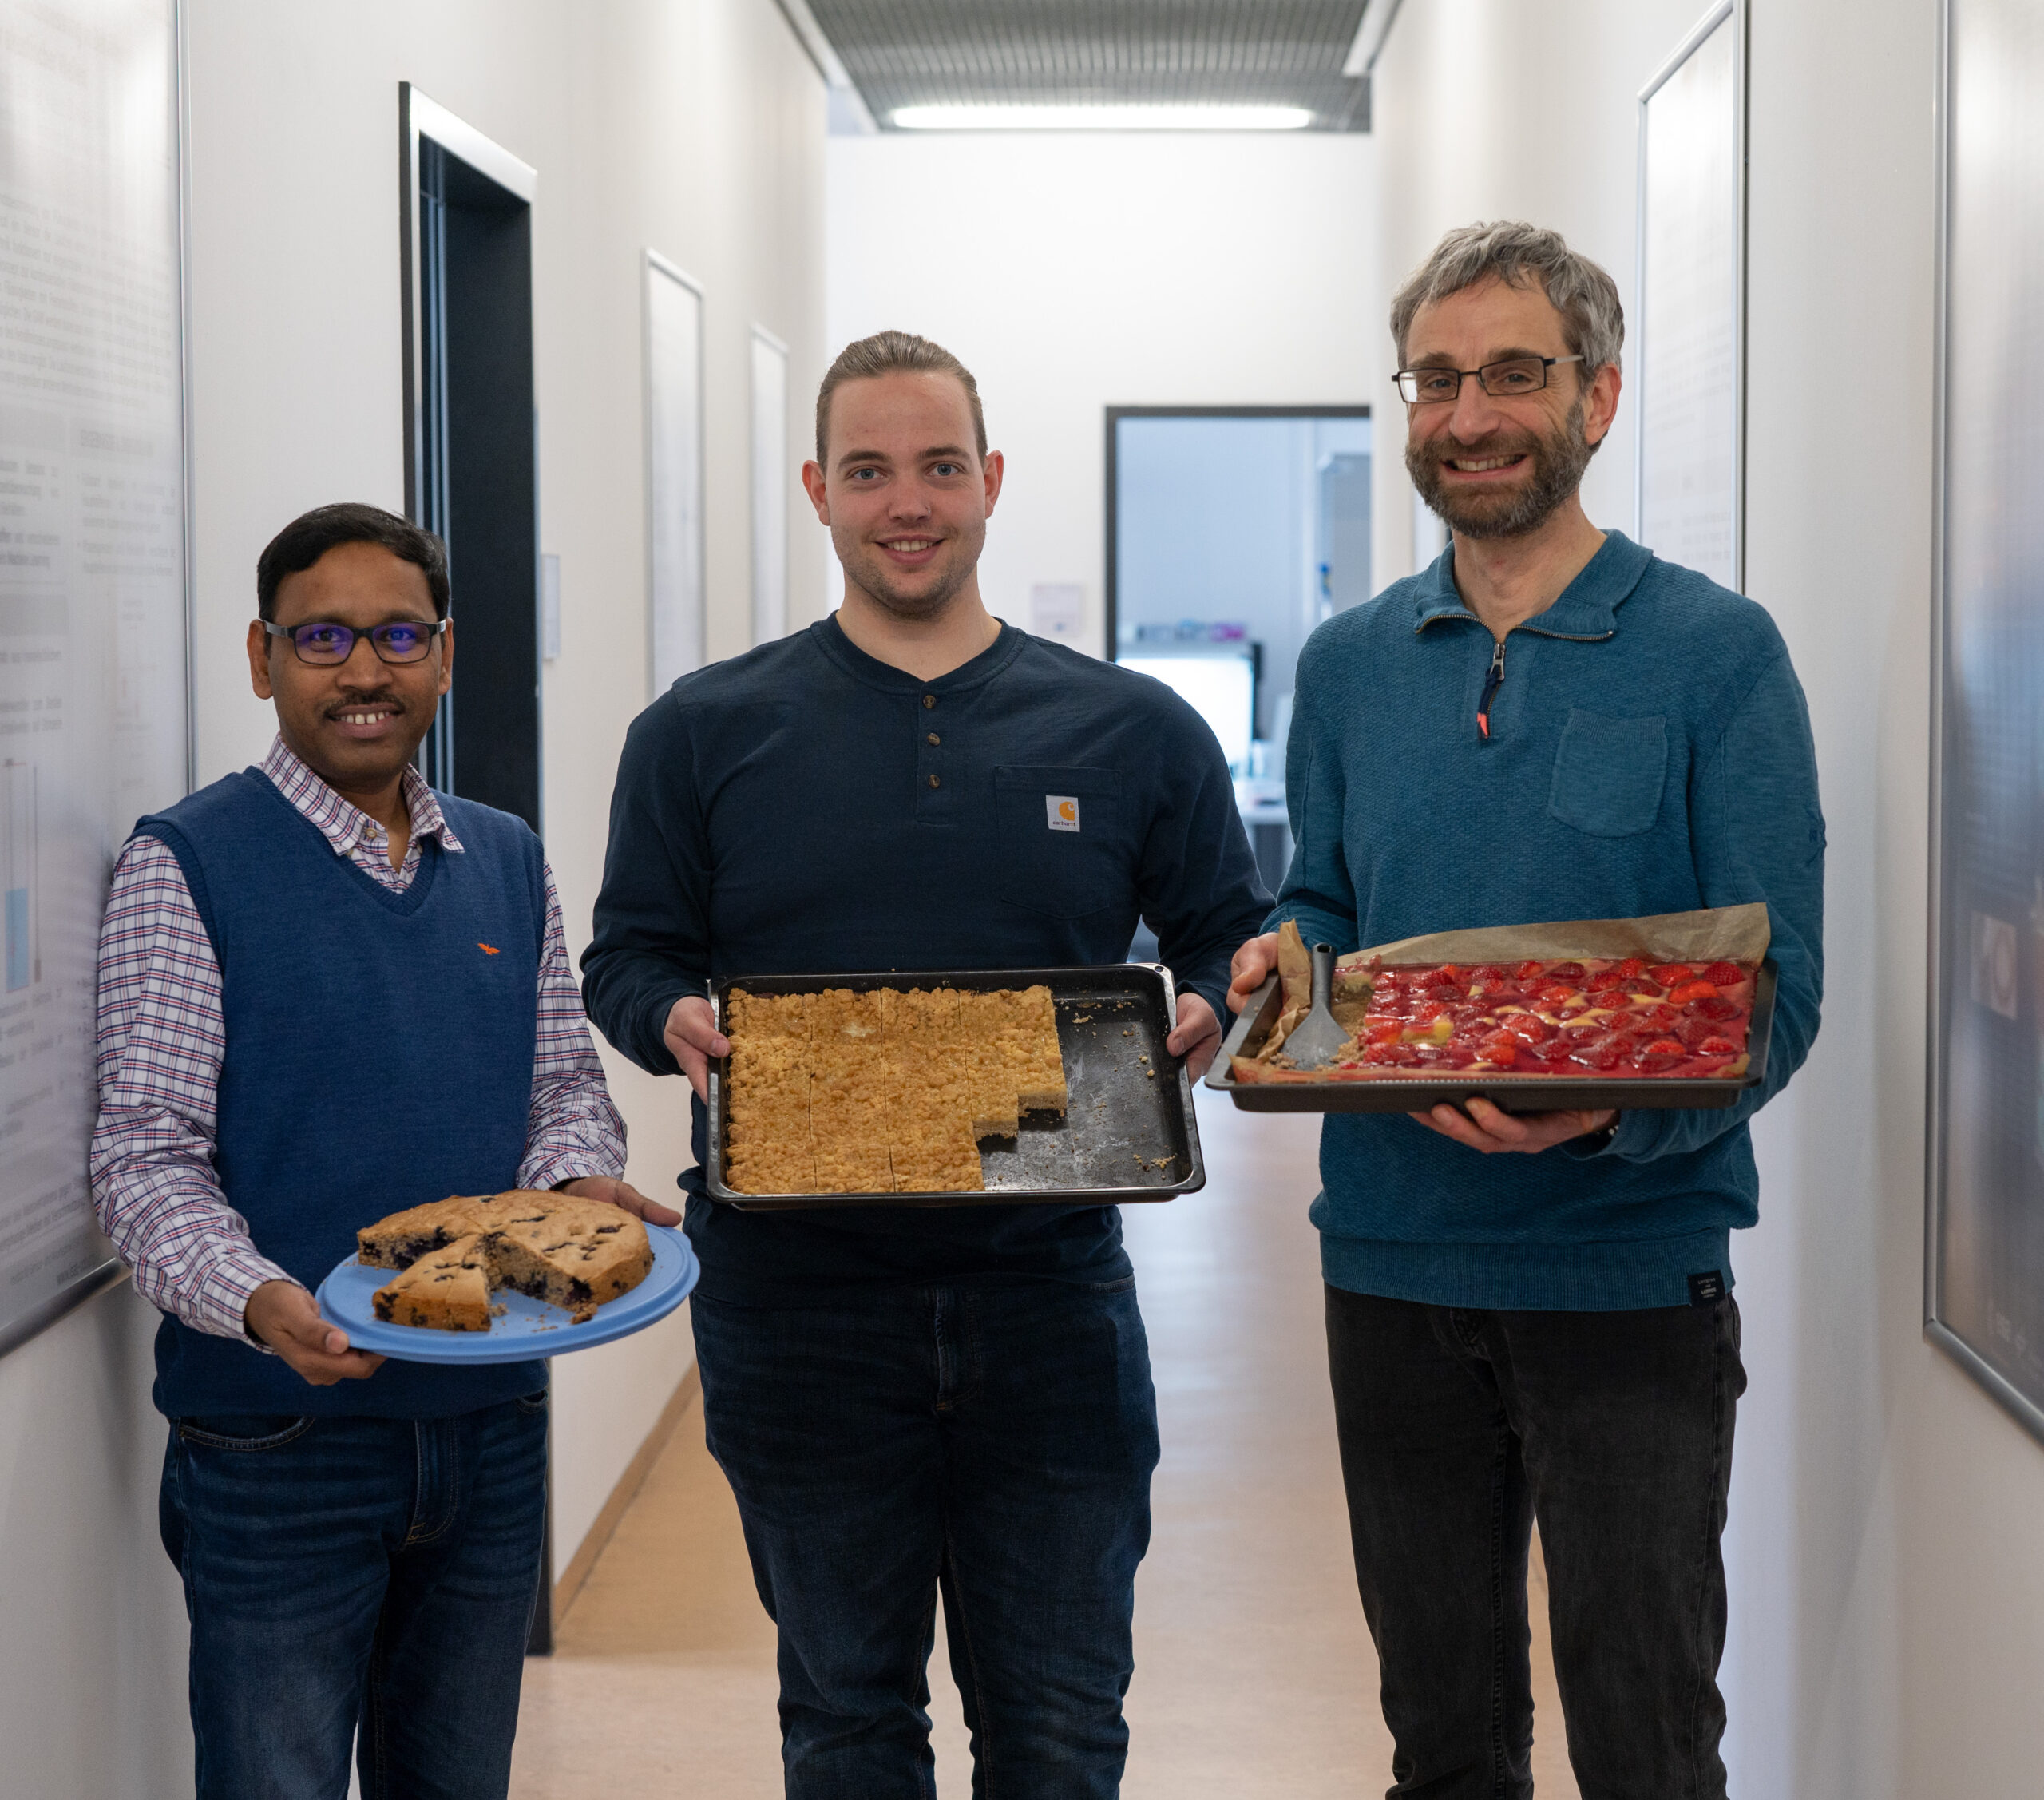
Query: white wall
{"x": 1886, "y": 1567}
{"x": 694, "y": 127}
{"x": 1071, "y": 273}
{"x": 92, "y": 1620}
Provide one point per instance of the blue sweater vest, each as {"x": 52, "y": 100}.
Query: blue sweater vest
{"x": 379, "y": 1055}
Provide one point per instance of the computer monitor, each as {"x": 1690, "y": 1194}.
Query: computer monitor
{"x": 1221, "y": 688}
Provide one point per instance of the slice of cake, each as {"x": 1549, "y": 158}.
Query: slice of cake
{"x": 768, "y": 1142}
{"x": 931, "y": 1148}
{"x": 447, "y": 1289}
{"x": 1024, "y": 1022}
{"x": 573, "y": 1253}
{"x": 990, "y": 1095}
{"x": 400, "y": 1241}
{"x": 851, "y": 1092}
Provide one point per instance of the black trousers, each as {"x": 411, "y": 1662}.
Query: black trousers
{"x": 1457, "y": 1429}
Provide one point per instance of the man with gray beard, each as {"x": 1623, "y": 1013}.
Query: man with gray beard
{"x": 1530, "y": 1315}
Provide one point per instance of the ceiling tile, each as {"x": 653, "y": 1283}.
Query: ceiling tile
{"x": 1266, "y": 52}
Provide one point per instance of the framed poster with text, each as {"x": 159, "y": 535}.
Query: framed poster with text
{"x": 676, "y": 616}
{"x": 94, "y": 683}
{"x": 1690, "y": 312}
{"x": 1984, "y": 1261}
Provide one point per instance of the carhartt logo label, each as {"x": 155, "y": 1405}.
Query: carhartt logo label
{"x": 1063, "y": 811}
{"x": 488, "y": 950}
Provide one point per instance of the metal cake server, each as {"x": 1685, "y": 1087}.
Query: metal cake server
{"x": 1319, "y": 1038}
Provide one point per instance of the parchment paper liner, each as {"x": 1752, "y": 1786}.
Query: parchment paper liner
{"x": 1714, "y": 934}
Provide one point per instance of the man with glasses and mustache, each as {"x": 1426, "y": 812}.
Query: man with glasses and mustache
{"x": 1530, "y": 1315}
{"x": 327, "y": 993}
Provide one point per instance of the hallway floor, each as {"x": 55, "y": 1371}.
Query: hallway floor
{"x": 1253, "y": 1673}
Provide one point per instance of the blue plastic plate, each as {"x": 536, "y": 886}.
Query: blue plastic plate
{"x": 528, "y": 1328}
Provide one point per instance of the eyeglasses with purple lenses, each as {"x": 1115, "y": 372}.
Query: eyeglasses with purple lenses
{"x": 325, "y": 644}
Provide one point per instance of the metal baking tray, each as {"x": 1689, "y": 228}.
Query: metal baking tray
{"x": 1124, "y": 1135}
{"x": 1510, "y": 1093}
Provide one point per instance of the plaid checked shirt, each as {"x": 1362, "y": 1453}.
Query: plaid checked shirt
{"x": 162, "y": 1031}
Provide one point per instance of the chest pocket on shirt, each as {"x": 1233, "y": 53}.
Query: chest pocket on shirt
{"x": 1609, "y": 773}
{"x": 1059, "y": 835}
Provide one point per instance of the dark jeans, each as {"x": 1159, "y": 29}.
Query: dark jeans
{"x": 1456, "y": 1429}
{"x": 992, "y": 1443}
{"x": 338, "y": 1570}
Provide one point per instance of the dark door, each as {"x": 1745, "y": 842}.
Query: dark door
{"x": 474, "y": 474}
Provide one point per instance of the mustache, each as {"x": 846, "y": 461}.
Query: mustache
{"x": 353, "y": 703}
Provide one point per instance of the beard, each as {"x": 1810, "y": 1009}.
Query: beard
{"x": 867, "y": 569}
{"x": 1554, "y": 471}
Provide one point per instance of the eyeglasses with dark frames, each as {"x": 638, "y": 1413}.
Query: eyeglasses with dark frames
{"x": 326, "y": 645}
{"x": 1501, "y": 381}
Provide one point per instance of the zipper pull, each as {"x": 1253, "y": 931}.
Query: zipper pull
{"x": 1490, "y": 689}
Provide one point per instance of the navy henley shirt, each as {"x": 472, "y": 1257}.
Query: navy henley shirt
{"x": 804, "y": 809}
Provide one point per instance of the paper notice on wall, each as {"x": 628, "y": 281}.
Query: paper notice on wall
{"x": 1994, "y": 984}
{"x": 1057, "y": 609}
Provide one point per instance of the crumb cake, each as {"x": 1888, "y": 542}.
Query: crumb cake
{"x": 885, "y": 1092}
{"x": 454, "y": 1254}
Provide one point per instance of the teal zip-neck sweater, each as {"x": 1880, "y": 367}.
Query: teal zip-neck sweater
{"x": 1648, "y": 751}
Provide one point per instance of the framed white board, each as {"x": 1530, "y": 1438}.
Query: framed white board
{"x": 1984, "y": 1260}
{"x": 94, "y": 622}
{"x": 1689, "y": 317}
{"x": 674, "y": 473}
{"x": 769, "y": 487}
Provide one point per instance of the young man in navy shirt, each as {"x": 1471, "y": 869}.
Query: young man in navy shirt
{"x": 326, "y": 993}
{"x": 1531, "y": 1315}
{"x": 912, "y": 1402}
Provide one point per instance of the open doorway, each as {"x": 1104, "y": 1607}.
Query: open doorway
{"x": 1233, "y": 532}
{"x": 471, "y": 460}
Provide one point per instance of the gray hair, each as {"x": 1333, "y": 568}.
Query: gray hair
{"x": 1521, "y": 255}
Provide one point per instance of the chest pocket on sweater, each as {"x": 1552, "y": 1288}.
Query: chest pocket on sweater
{"x": 1059, "y": 834}
{"x": 1609, "y": 774}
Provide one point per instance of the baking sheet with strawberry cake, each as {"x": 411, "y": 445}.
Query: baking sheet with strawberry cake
{"x": 1672, "y": 1010}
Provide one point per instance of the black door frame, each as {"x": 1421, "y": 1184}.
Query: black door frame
{"x": 1115, "y": 415}
{"x": 483, "y": 168}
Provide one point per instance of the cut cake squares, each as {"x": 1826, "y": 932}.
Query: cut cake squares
{"x": 901, "y": 1084}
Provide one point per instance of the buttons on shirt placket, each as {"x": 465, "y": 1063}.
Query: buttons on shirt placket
{"x": 932, "y": 774}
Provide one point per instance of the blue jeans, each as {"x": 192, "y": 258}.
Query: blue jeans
{"x": 346, "y": 1570}
{"x": 990, "y": 1442}
{"x": 1457, "y": 1426}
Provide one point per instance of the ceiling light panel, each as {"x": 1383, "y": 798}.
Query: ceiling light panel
{"x": 1090, "y": 54}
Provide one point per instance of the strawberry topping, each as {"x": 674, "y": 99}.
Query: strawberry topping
{"x": 1570, "y": 1019}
